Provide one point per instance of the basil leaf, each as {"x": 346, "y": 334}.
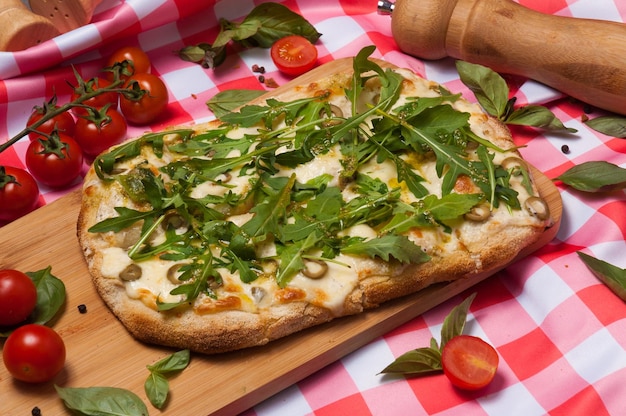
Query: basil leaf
{"x": 157, "y": 389}
{"x": 50, "y": 295}
{"x": 488, "y": 86}
{"x": 224, "y": 102}
{"x": 100, "y": 401}
{"x": 277, "y": 21}
{"x": 612, "y": 276}
{"x": 455, "y": 321}
{"x": 236, "y": 32}
{"x": 599, "y": 176}
{"x": 536, "y": 116}
{"x": 174, "y": 362}
{"x": 417, "y": 361}
{"x": 610, "y": 125}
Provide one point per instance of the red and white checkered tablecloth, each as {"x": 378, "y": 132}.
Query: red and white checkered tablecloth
{"x": 560, "y": 333}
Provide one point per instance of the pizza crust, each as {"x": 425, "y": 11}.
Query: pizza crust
{"x": 477, "y": 247}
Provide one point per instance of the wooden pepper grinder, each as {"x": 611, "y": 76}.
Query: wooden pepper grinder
{"x": 583, "y": 58}
{"x": 21, "y": 28}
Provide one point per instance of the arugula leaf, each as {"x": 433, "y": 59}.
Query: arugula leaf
{"x": 268, "y": 214}
{"x": 596, "y": 176}
{"x": 388, "y": 246}
{"x": 291, "y": 259}
{"x": 98, "y": 401}
{"x": 104, "y": 163}
{"x": 126, "y": 218}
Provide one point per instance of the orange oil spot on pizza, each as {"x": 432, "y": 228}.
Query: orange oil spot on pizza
{"x": 216, "y": 305}
{"x": 464, "y": 185}
{"x": 289, "y": 294}
{"x": 147, "y": 298}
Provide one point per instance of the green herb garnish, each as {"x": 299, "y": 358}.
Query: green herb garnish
{"x": 303, "y": 221}
{"x": 263, "y": 26}
{"x": 595, "y": 176}
{"x": 428, "y": 359}
{"x": 612, "y": 276}
{"x": 492, "y": 94}
{"x": 157, "y": 386}
{"x": 97, "y": 401}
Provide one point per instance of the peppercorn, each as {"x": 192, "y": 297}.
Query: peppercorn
{"x": 565, "y": 149}
{"x": 259, "y": 69}
{"x": 82, "y": 308}
{"x": 36, "y": 411}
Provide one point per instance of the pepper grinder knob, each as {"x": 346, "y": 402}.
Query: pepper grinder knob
{"x": 385, "y": 7}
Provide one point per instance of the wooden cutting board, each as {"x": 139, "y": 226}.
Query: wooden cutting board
{"x": 100, "y": 352}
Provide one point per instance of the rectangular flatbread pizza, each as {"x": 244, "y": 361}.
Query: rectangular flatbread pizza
{"x": 363, "y": 187}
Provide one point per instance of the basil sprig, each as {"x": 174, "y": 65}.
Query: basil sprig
{"x": 157, "y": 386}
{"x": 263, "y": 26}
{"x": 428, "y": 359}
{"x": 492, "y": 94}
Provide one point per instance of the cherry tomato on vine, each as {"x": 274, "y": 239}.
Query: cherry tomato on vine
{"x": 18, "y": 297}
{"x": 100, "y": 130}
{"x": 469, "y": 362}
{"x": 34, "y": 353}
{"x": 138, "y": 59}
{"x": 99, "y": 100}
{"x": 148, "y": 105}
{"x": 293, "y": 55}
{"x": 19, "y": 193}
{"x": 63, "y": 122}
{"x": 55, "y": 161}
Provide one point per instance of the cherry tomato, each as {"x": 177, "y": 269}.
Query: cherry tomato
{"x": 293, "y": 55}
{"x": 56, "y": 161}
{"x": 63, "y": 122}
{"x": 34, "y": 353}
{"x": 149, "y": 105}
{"x": 18, "y": 297}
{"x": 137, "y": 58}
{"x": 469, "y": 362}
{"x": 98, "y": 101}
{"x": 97, "y": 133}
{"x": 19, "y": 193}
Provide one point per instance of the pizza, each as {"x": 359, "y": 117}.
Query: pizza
{"x": 362, "y": 187}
